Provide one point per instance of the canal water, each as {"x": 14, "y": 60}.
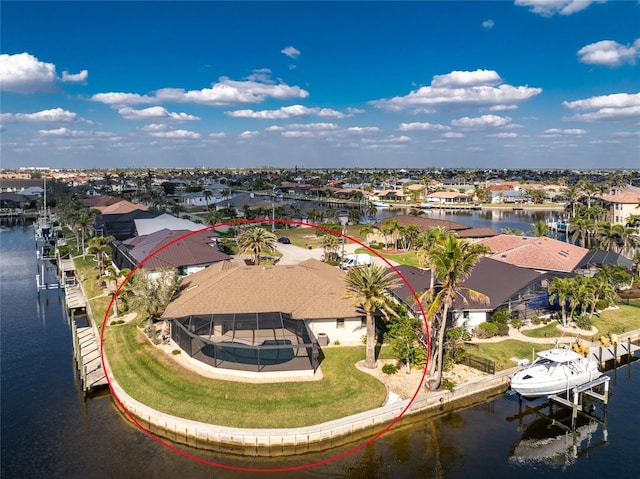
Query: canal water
{"x": 48, "y": 429}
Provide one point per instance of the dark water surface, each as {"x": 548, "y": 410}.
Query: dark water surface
{"x": 49, "y": 430}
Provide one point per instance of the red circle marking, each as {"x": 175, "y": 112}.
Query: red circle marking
{"x": 252, "y": 469}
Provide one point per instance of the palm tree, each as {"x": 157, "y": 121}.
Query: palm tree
{"x": 207, "y": 197}
{"x": 82, "y": 219}
{"x": 365, "y": 231}
{"x": 453, "y": 260}
{"x": 539, "y": 229}
{"x": 367, "y": 285}
{"x": 101, "y": 248}
{"x": 573, "y": 195}
{"x": 507, "y": 230}
{"x": 426, "y": 241}
{"x": 581, "y": 228}
{"x": 560, "y": 289}
{"x": 256, "y": 240}
{"x": 602, "y": 290}
{"x": 330, "y": 244}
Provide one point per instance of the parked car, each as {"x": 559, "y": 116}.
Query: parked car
{"x": 284, "y": 240}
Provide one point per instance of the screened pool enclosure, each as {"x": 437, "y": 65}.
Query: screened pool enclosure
{"x": 261, "y": 342}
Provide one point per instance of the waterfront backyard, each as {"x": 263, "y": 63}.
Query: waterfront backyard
{"x": 152, "y": 376}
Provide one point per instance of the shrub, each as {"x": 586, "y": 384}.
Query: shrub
{"x": 503, "y": 329}
{"x": 583, "y": 322}
{"x": 602, "y": 304}
{"x": 336, "y": 342}
{"x": 447, "y": 384}
{"x": 516, "y": 323}
{"x": 500, "y": 317}
{"x": 176, "y": 351}
{"x": 376, "y": 246}
{"x": 486, "y": 330}
{"x": 536, "y": 320}
{"x": 389, "y": 369}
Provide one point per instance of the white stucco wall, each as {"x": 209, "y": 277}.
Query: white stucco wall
{"x": 350, "y": 333}
{"x": 474, "y": 319}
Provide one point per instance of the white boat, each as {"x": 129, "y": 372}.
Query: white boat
{"x": 554, "y": 371}
{"x": 380, "y": 204}
{"x": 425, "y": 206}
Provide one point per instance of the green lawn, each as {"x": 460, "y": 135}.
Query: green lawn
{"x": 505, "y": 353}
{"x": 155, "y": 379}
{"x": 408, "y": 258}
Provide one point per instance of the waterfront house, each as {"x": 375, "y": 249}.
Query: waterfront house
{"x": 519, "y": 290}
{"x": 424, "y": 223}
{"x": 182, "y": 250}
{"x": 622, "y": 204}
{"x": 311, "y": 291}
{"x": 541, "y": 253}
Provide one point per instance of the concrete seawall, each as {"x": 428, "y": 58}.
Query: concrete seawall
{"x": 300, "y": 440}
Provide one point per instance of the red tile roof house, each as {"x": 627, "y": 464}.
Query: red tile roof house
{"x": 538, "y": 253}
{"x": 266, "y": 319}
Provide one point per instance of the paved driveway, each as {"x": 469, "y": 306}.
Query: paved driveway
{"x": 292, "y": 254}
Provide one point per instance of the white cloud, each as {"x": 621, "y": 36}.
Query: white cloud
{"x": 176, "y": 134}
{"x": 451, "y": 134}
{"x": 155, "y": 127}
{"x": 217, "y": 135}
{"x": 503, "y": 107}
{"x": 480, "y": 88}
{"x": 416, "y": 126}
{"x": 24, "y": 73}
{"x": 617, "y": 106}
{"x": 484, "y": 121}
{"x": 286, "y": 112}
{"x": 556, "y": 132}
{"x": 488, "y": 24}
{"x": 548, "y": 8}
{"x": 503, "y": 134}
{"x": 75, "y": 78}
{"x": 291, "y": 52}
{"x": 119, "y": 98}
{"x": 229, "y": 92}
{"x": 224, "y": 93}
{"x": 153, "y": 113}
{"x": 298, "y": 134}
{"x": 609, "y": 53}
{"x": 55, "y": 115}
{"x": 249, "y": 134}
{"x": 362, "y": 130}
{"x": 66, "y": 132}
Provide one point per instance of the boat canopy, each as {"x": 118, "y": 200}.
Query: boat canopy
{"x": 559, "y": 355}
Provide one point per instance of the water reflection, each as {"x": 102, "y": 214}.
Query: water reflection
{"x": 548, "y": 438}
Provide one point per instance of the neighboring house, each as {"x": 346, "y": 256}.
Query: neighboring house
{"x": 423, "y": 224}
{"x": 112, "y": 205}
{"x": 521, "y": 291}
{"x": 449, "y": 198}
{"x": 146, "y": 226}
{"x": 121, "y": 226}
{"x": 538, "y": 253}
{"x": 311, "y": 292}
{"x": 594, "y": 260}
{"x": 622, "y": 204}
{"x": 180, "y": 250}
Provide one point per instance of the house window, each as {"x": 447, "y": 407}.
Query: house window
{"x": 340, "y": 323}
{"x": 465, "y": 315}
{"x": 363, "y": 322}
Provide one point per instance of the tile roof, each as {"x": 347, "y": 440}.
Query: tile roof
{"x": 192, "y": 250}
{"x": 497, "y": 280}
{"x": 540, "y": 253}
{"x": 626, "y": 197}
{"x": 145, "y": 226}
{"x": 308, "y": 290}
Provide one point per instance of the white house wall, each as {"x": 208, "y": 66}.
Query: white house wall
{"x": 469, "y": 323}
{"x": 350, "y": 333}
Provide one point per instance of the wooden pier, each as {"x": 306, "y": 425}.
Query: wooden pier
{"x": 616, "y": 351}
{"x": 86, "y": 349}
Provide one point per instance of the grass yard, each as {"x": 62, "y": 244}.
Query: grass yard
{"x": 505, "y": 353}
{"x": 153, "y": 378}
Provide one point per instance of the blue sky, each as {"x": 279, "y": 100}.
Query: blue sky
{"x": 499, "y": 84}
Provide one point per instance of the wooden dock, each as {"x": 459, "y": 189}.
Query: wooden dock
{"x": 86, "y": 348}
{"x": 616, "y": 351}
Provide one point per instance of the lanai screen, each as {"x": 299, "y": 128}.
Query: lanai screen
{"x": 248, "y": 342}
